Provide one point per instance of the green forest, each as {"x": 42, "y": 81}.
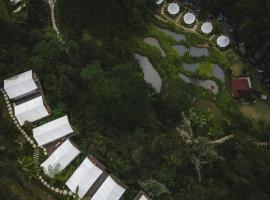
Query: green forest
{"x": 182, "y": 143}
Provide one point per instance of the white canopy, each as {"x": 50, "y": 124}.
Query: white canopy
{"x": 223, "y": 41}
{"x": 63, "y": 155}
{"x": 158, "y": 2}
{"x": 52, "y": 131}
{"x": 189, "y": 18}
{"x": 31, "y": 110}
{"x": 19, "y": 85}
{"x": 109, "y": 190}
{"x": 173, "y": 8}
{"x": 143, "y": 198}
{"x": 84, "y": 177}
{"x": 207, "y": 27}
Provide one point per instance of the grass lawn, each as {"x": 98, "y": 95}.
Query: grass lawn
{"x": 237, "y": 64}
{"x": 203, "y": 105}
{"x": 258, "y": 111}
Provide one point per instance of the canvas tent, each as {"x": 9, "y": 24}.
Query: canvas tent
{"x": 85, "y": 176}
{"x": 207, "y": 27}
{"x": 52, "y": 131}
{"x": 63, "y": 155}
{"x": 20, "y": 85}
{"x": 159, "y": 2}
{"x": 189, "y": 18}
{"x": 173, "y": 8}
{"x": 109, "y": 190}
{"x": 31, "y": 110}
{"x": 142, "y": 196}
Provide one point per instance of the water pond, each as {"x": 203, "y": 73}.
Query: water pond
{"x": 217, "y": 70}
{"x": 206, "y": 84}
{"x": 154, "y": 42}
{"x": 151, "y": 75}
{"x": 181, "y": 49}
{"x": 198, "y": 52}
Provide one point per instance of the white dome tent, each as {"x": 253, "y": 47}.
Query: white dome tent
{"x": 207, "y": 27}
{"x": 189, "y": 18}
{"x": 223, "y": 41}
{"x": 159, "y": 2}
{"x": 173, "y": 8}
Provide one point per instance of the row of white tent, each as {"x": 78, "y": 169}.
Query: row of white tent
{"x": 189, "y": 19}
{"x": 24, "y": 86}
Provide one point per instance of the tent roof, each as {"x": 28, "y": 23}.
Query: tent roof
{"x": 19, "y": 85}
{"x": 63, "y": 155}
{"x": 109, "y": 190}
{"x": 223, "y": 41}
{"x": 189, "y": 18}
{"x": 84, "y": 177}
{"x": 31, "y": 110}
{"x": 52, "y": 131}
{"x": 207, "y": 27}
{"x": 142, "y": 196}
{"x": 173, "y": 8}
{"x": 158, "y": 2}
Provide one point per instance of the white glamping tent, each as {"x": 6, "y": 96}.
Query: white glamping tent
{"x": 142, "y": 196}
{"x": 109, "y": 190}
{"x": 84, "y": 177}
{"x": 31, "y": 110}
{"x": 52, "y": 131}
{"x": 223, "y": 41}
{"x": 63, "y": 155}
{"x": 20, "y": 85}
{"x": 189, "y": 18}
{"x": 207, "y": 27}
{"x": 173, "y": 8}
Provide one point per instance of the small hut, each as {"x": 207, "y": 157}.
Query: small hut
{"x": 159, "y": 2}
{"x": 241, "y": 88}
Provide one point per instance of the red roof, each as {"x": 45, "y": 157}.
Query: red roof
{"x": 241, "y": 86}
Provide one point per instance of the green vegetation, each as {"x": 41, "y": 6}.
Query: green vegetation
{"x": 205, "y": 69}
{"x": 4, "y": 15}
{"x": 162, "y": 143}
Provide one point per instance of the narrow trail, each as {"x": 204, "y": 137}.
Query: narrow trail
{"x": 52, "y": 8}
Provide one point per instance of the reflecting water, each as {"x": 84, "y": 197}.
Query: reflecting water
{"x": 206, "y": 84}
{"x": 198, "y": 52}
{"x": 151, "y": 76}
{"x": 181, "y": 49}
{"x": 154, "y": 42}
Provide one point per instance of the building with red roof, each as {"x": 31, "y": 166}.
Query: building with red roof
{"x": 241, "y": 87}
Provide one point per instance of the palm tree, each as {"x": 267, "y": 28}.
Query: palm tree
{"x": 29, "y": 167}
